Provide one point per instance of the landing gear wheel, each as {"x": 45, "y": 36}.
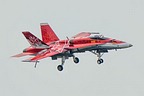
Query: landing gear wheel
{"x": 60, "y": 67}
{"x": 99, "y": 61}
{"x": 76, "y": 60}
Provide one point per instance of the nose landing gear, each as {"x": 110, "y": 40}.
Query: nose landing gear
{"x": 99, "y": 55}
{"x": 99, "y": 61}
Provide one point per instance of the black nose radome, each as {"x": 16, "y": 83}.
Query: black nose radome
{"x": 130, "y": 45}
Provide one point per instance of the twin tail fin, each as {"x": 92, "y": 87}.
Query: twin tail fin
{"x": 33, "y": 40}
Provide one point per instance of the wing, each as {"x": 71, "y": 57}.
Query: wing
{"x": 47, "y": 53}
{"x": 41, "y": 56}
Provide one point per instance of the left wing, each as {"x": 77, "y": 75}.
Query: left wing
{"x": 41, "y": 56}
{"x": 47, "y": 53}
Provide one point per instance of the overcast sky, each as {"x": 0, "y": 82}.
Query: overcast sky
{"x": 121, "y": 74}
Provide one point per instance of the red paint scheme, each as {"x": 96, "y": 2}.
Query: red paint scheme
{"x": 48, "y": 34}
{"x": 50, "y": 45}
{"x": 32, "y": 50}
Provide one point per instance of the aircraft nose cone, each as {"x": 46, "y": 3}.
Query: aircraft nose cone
{"x": 130, "y": 45}
{"x": 125, "y": 45}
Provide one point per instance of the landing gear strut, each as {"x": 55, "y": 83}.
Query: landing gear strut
{"x": 36, "y": 64}
{"x": 60, "y": 67}
{"x": 99, "y": 55}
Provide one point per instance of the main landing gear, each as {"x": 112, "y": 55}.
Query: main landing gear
{"x": 76, "y": 59}
{"x": 36, "y": 62}
{"x": 60, "y": 67}
{"x": 99, "y": 55}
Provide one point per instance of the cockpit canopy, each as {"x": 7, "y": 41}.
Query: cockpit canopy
{"x": 92, "y": 35}
{"x": 97, "y": 36}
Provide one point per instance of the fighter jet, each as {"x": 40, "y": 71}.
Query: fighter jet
{"x": 52, "y": 46}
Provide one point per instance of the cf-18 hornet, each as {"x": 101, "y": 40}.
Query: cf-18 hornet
{"x": 52, "y": 46}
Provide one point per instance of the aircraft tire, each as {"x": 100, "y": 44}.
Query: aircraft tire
{"x": 99, "y": 61}
{"x": 60, "y": 67}
{"x": 76, "y": 60}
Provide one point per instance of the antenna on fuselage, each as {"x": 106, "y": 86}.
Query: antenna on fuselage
{"x": 67, "y": 38}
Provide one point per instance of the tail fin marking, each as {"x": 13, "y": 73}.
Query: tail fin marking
{"x": 33, "y": 40}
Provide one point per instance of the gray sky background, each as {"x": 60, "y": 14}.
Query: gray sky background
{"x": 120, "y": 75}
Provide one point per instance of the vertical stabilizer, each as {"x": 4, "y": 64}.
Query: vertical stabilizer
{"x": 48, "y": 34}
{"x": 33, "y": 40}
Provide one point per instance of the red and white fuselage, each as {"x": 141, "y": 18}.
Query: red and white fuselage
{"x": 52, "y": 46}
